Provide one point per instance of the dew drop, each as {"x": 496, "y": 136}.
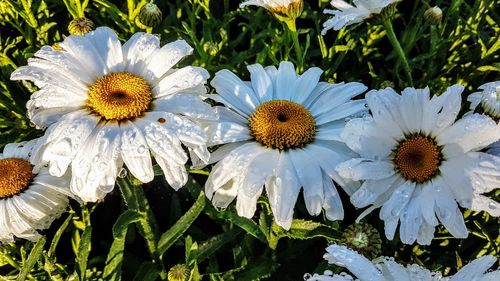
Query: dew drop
{"x": 123, "y": 173}
{"x": 307, "y": 276}
{"x": 492, "y": 205}
{"x": 141, "y": 149}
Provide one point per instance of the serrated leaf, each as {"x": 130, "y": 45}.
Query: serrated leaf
{"x": 33, "y": 257}
{"x": 83, "y": 253}
{"x": 148, "y": 271}
{"x": 114, "y": 260}
{"x": 175, "y": 232}
{"x": 207, "y": 248}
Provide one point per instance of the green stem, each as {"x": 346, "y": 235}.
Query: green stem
{"x": 136, "y": 200}
{"x": 296, "y": 45}
{"x": 397, "y": 46}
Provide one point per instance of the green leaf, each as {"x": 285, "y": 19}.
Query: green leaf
{"x": 302, "y": 229}
{"x": 207, "y": 248}
{"x": 57, "y": 236}
{"x": 175, "y": 232}
{"x": 112, "y": 270}
{"x": 33, "y": 257}
{"x": 148, "y": 271}
{"x": 257, "y": 269}
{"x": 494, "y": 67}
{"x": 83, "y": 252}
{"x": 135, "y": 199}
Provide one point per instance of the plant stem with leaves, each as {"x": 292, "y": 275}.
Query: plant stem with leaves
{"x": 397, "y": 46}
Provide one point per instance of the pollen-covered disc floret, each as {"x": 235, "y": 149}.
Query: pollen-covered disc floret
{"x": 418, "y": 163}
{"x": 282, "y": 124}
{"x": 417, "y": 158}
{"x": 119, "y": 96}
{"x": 280, "y": 131}
{"x": 387, "y": 269}
{"x": 28, "y": 201}
{"x": 106, "y": 104}
{"x": 15, "y": 176}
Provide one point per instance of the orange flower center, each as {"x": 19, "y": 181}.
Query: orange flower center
{"x": 417, "y": 158}
{"x": 282, "y": 124}
{"x": 15, "y": 176}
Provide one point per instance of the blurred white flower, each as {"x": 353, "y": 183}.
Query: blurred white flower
{"x": 282, "y": 131}
{"x": 347, "y": 14}
{"x": 284, "y": 10}
{"x": 417, "y": 162}
{"x": 386, "y": 269}
{"x": 106, "y": 105}
{"x": 28, "y": 201}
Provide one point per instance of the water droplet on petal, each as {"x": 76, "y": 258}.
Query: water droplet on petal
{"x": 307, "y": 276}
{"x": 492, "y": 205}
{"x": 141, "y": 149}
{"x": 123, "y": 173}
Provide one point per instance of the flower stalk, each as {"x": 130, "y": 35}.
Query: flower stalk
{"x": 386, "y": 22}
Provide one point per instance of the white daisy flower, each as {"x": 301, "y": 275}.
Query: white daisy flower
{"x": 29, "y": 201}
{"x": 487, "y": 102}
{"x": 386, "y": 269}
{"x": 346, "y": 14}
{"x": 282, "y": 131}
{"x": 106, "y": 105}
{"x": 417, "y": 162}
{"x": 272, "y": 5}
{"x": 282, "y": 9}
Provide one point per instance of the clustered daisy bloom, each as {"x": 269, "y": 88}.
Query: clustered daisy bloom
{"x": 281, "y": 131}
{"x": 106, "y": 104}
{"x": 386, "y": 269}
{"x": 29, "y": 201}
{"x": 417, "y": 162}
{"x": 347, "y": 14}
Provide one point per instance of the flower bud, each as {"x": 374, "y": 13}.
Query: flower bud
{"x": 178, "y": 272}
{"x": 285, "y": 12}
{"x": 150, "y": 15}
{"x": 80, "y": 26}
{"x": 363, "y": 238}
{"x": 210, "y": 48}
{"x": 433, "y": 15}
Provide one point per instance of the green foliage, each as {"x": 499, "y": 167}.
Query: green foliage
{"x": 219, "y": 244}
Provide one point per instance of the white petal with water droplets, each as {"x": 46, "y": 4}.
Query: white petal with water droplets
{"x": 135, "y": 152}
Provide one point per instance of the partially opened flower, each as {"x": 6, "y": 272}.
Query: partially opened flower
{"x": 386, "y": 269}
{"x": 29, "y": 201}
{"x": 106, "y": 105}
{"x": 417, "y": 162}
{"x": 284, "y": 10}
{"x": 282, "y": 131}
{"x": 347, "y": 14}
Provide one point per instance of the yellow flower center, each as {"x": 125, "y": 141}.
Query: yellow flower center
{"x": 417, "y": 158}
{"x": 15, "y": 176}
{"x": 282, "y": 124}
{"x": 119, "y": 96}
